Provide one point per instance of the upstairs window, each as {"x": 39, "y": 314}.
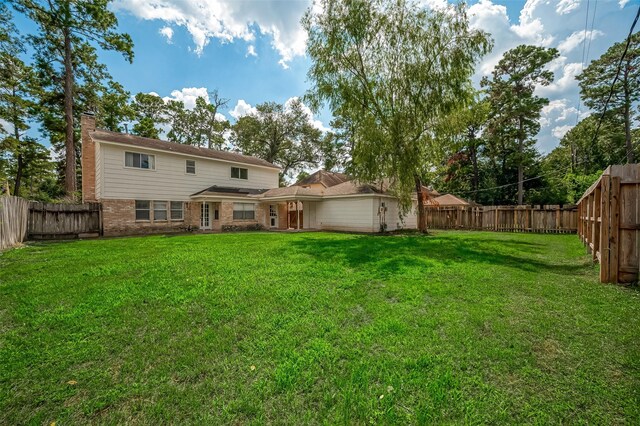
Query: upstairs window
{"x": 139, "y": 161}
{"x": 239, "y": 173}
{"x": 191, "y": 167}
{"x": 243, "y": 211}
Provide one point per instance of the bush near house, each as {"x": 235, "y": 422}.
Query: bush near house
{"x": 455, "y": 327}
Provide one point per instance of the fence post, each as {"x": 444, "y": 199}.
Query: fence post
{"x": 615, "y": 227}
{"x": 605, "y": 205}
{"x": 595, "y": 229}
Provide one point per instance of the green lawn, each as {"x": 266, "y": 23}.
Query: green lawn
{"x": 308, "y": 328}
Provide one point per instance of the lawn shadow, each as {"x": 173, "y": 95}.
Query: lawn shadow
{"x": 389, "y": 254}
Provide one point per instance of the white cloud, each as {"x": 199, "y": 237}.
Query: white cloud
{"x": 623, "y": 3}
{"x": 552, "y": 23}
{"x": 560, "y": 131}
{"x": 167, "y": 32}
{"x": 575, "y": 39}
{"x": 251, "y": 51}
{"x": 6, "y": 126}
{"x": 188, "y": 95}
{"x": 566, "y": 6}
{"x": 241, "y": 109}
{"x": 230, "y": 20}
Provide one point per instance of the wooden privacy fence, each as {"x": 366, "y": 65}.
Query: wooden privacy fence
{"x": 60, "y": 221}
{"x": 542, "y": 219}
{"x": 14, "y": 212}
{"x": 609, "y": 223}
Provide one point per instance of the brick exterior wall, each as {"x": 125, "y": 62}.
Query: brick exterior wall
{"x": 88, "y": 158}
{"x": 119, "y": 218}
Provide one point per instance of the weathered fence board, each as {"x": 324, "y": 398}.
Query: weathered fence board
{"x": 59, "y": 221}
{"x": 14, "y": 212}
{"x": 609, "y": 223}
{"x": 543, "y": 219}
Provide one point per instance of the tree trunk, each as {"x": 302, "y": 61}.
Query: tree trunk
{"x": 16, "y": 135}
{"x": 422, "y": 208}
{"x": 520, "y": 160}
{"x": 473, "y": 150}
{"x": 70, "y": 150}
{"x": 627, "y": 116}
{"x": 16, "y": 186}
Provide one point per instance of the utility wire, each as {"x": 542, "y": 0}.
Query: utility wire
{"x": 615, "y": 79}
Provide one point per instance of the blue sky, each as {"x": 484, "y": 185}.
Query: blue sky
{"x": 252, "y": 51}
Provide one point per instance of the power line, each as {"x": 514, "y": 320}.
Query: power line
{"x": 615, "y": 79}
{"x": 553, "y": 173}
{"x": 584, "y": 43}
{"x": 593, "y": 20}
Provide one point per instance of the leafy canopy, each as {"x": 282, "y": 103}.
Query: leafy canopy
{"x": 387, "y": 70}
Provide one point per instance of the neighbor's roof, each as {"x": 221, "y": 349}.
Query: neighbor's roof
{"x": 293, "y": 191}
{"x": 352, "y": 187}
{"x": 447, "y": 200}
{"x": 157, "y": 144}
{"x": 328, "y": 179}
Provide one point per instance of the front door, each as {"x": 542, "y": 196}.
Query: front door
{"x": 205, "y": 217}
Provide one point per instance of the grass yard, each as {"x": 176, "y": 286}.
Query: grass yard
{"x": 309, "y": 328}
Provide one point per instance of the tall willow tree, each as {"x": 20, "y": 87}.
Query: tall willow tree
{"x": 68, "y": 30}
{"x": 389, "y": 69}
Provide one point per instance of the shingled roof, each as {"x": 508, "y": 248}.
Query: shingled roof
{"x": 141, "y": 142}
{"x": 229, "y": 191}
{"x": 328, "y": 179}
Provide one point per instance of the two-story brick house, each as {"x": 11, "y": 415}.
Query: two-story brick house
{"x": 148, "y": 185}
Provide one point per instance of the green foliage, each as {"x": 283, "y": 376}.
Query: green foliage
{"x": 71, "y": 77}
{"x": 280, "y": 134}
{"x": 460, "y": 147}
{"x": 150, "y": 111}
{"x": 22, "y": 159}
{"x": 114, "y": 108}
{"x": 595, "y": 86}
{"x": 452, "y": 328}
{"x": 388, "y": 71}
{"x": 514, "y": 117}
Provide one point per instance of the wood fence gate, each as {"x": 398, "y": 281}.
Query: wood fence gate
{"x": 62, "y": 221}
{"x": 609, "y": 223}
{"x": 14, "y": 212}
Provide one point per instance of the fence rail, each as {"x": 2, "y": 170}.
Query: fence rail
{"x": 541, "y": 219}
{"x": 14, "y": 212}
{"x": 59, "y": 221}
{"x": 609, "y": 223}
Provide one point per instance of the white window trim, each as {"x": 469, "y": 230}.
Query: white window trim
{"x": 166, "y": 210}
{"x": 135, "y": 212}
{"x": 171, "y": 219}
{"x": 239, "y": 178}
{"x": 139, "y": 168}
{"x": 195, "y": 166}
{"x": 243, "y": 219}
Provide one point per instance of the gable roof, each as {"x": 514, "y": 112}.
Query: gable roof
{"x": 328, "y": 179}
{"x": 107, "y": 136}
{"x": 447, "y": 200}
{"x": 352, "y": 187}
